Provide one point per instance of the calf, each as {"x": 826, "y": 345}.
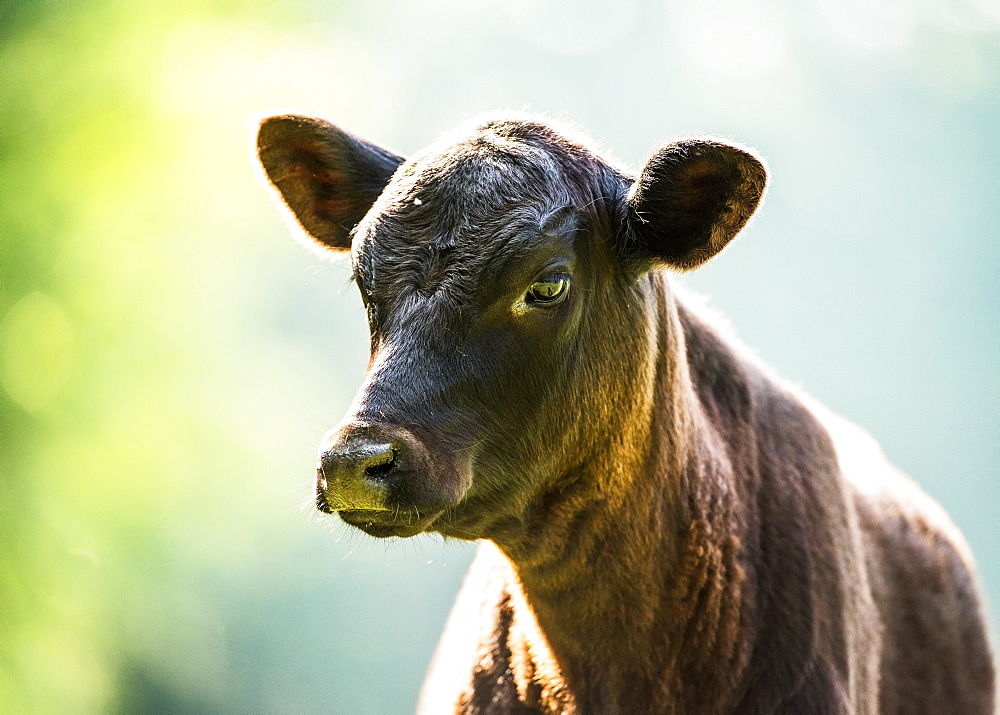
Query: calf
{"x": 667, "y": 527}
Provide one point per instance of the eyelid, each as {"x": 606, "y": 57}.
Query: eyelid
{"x": 553, "y": 270}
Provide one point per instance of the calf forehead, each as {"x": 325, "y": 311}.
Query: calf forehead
{"x": 474, "y": 181}
{"x": 455, "y": 209}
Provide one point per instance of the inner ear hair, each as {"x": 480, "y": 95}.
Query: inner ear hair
{"x": 692, "y": 198}
{"x": 327, "y": 177}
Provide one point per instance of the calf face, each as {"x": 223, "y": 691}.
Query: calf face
{"x": 503, "y": 274}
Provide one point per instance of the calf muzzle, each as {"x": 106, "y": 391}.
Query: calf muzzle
{"x": 358, "y": 471}
{"x": 385, "y": 480}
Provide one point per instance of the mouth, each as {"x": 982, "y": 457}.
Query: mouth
{"x": 383, "y": 524}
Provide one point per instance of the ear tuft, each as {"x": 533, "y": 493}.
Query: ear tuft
{"x": 326, "y": 176}
{"x": 692, "y": 198}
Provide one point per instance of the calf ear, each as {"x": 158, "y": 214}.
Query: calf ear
{"x": 692, "y": 198}
{"x": 326, "y": 176}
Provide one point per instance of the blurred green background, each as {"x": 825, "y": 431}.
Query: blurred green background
{"x": 169, "y": 357}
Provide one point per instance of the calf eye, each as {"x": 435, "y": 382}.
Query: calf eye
{"x": 551, "y": 289}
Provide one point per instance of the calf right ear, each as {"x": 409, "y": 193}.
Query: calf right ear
{"x": 327, "y": 177}
{"x": 692, "y": 198}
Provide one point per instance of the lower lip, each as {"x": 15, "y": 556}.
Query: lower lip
{"x": 362, "y": 520}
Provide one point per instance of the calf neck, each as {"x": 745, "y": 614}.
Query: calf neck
{"x": 666, "y": 526}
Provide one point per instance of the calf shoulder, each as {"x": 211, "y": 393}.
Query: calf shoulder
{"x": 808, "y": 617}
{"x": 935, "y": 656}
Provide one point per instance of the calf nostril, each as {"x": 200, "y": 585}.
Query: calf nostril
{"x": 380, "y": 465}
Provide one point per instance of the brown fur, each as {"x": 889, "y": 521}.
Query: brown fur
{"x": 668, "y": 528}
{"x": 772, "y": 582}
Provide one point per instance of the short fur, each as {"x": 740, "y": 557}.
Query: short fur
{"x": 667, "y": 527}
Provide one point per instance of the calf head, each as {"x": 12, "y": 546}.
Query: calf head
{"x": 504, "y": 271}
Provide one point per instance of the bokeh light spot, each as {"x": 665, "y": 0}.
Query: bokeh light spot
{"x": 729, "y": 38}
{"x": 36, "y": 351}
{"x": 574, "y": 28}
{"x": 869, "y": 26}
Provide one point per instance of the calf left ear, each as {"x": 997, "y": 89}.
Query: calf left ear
{"x": 692, "y": 198}
{"x": 328, "y": 177}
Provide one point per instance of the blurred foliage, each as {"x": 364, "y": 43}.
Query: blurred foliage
{"x": 168, "y": 359}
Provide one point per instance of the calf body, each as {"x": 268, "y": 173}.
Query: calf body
{"x": 666, "y": 526}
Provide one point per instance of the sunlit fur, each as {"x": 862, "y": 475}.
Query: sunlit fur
{"x": 667, "y": 526}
